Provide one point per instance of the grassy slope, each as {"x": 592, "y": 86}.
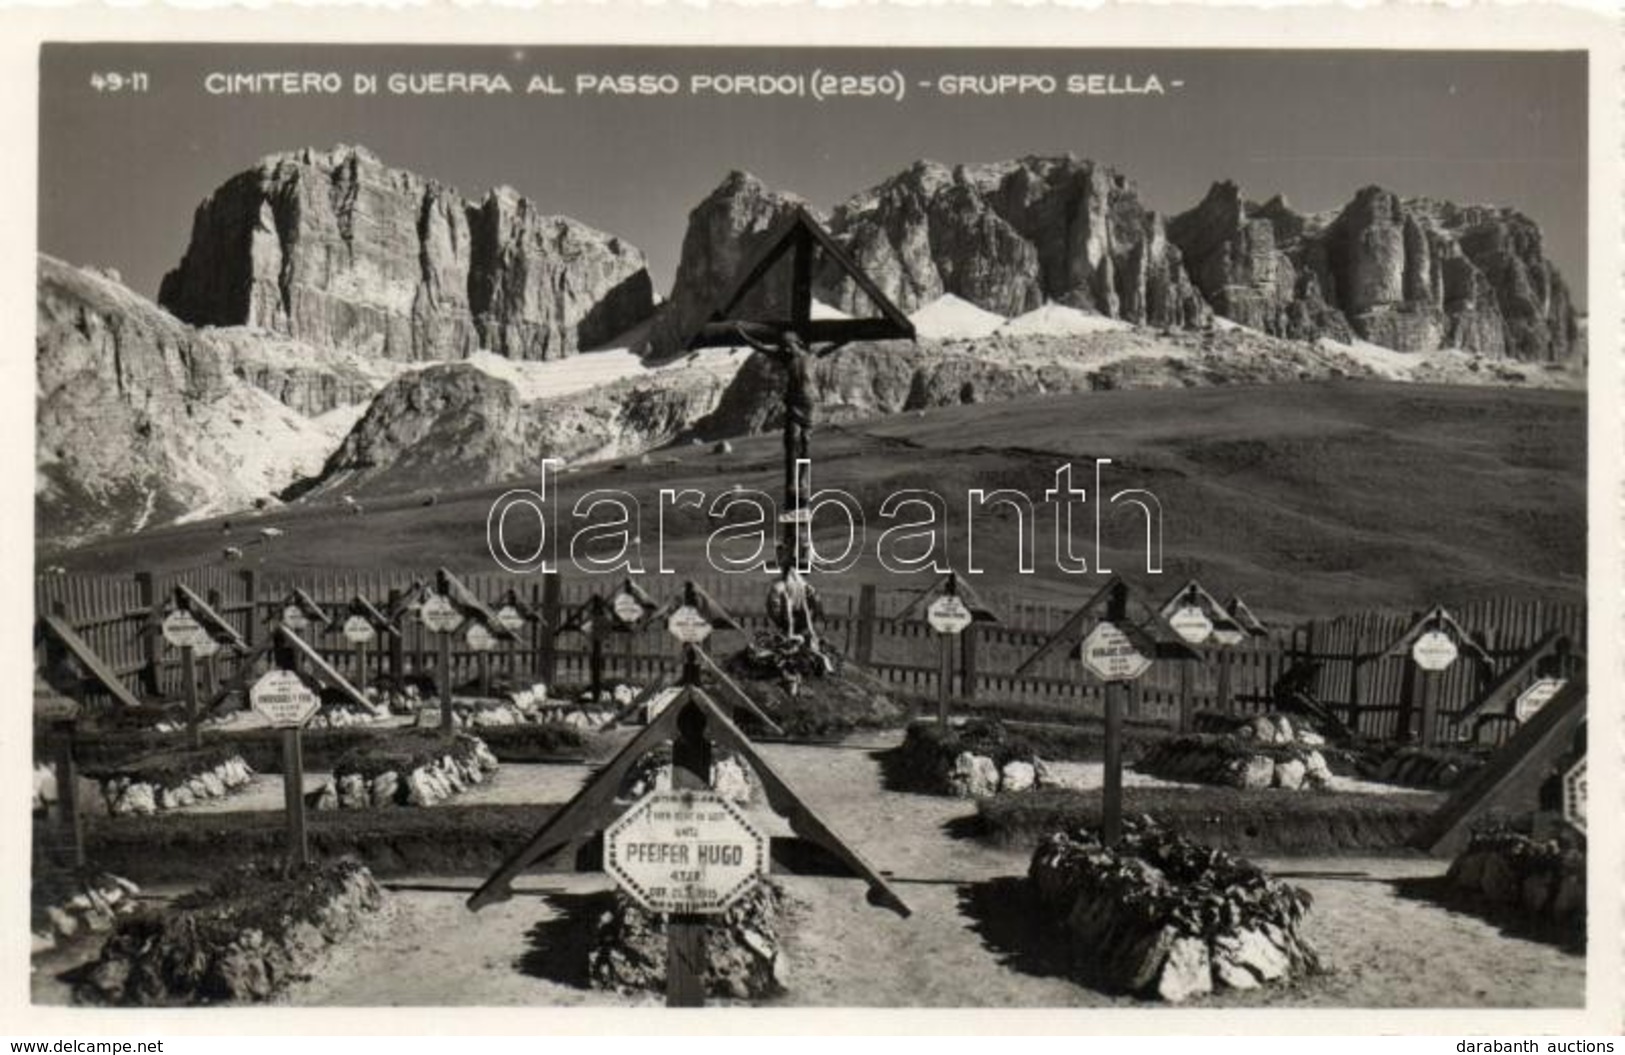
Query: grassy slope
{"x": 1307, "y": 499}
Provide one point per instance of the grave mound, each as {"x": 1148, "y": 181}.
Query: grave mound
{"x": 1165, "y": 918}
{"x": 246, "y": 936}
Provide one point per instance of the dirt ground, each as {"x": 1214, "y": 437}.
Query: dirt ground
{"x": 967, "y": 944}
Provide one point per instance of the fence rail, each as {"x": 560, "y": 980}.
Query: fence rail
{"x": 1380, "y": 696}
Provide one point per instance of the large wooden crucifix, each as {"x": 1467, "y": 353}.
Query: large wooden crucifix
{"x": 790, "y": 342}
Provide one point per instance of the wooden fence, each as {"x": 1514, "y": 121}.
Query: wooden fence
{"x": 1379, "y": 696}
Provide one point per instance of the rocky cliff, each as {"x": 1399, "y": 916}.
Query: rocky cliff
{"x": 725, "y": 232}
{"x": 1010, "y": 236}
{"x": 338, "y": 250}
{"x": 142, "y": 418}
{"x": 1407, "y": 274}
{"x": 456, "y": 425}
{"x": 1005, "y": 237}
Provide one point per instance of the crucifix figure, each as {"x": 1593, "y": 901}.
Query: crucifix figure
{"x": 786, "y": 348}
{"x": 788, "y": 340}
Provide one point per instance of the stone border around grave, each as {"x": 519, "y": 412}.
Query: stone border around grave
{"x": 129, "y": 794}
{"x": 1164, "y": 918}
{"x": 242, "y": 940}
{"x": 975, "y": 758}
{"x": 432, "y": 774}
{"x": 1541, "y": 883}
{"x": 744, "y": 955}
{"x": 98, "y": 902}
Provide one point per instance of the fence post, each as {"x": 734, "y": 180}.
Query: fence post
{"x": 1357, "y": 653}
{"x": 865, "y": 651}
{"x": 251, "y": 590}
{"x": 546, "y": 631}
{"x": 967, "y": 663}
{"x": 149, "y": 641}
{"x": 397, "y": 644}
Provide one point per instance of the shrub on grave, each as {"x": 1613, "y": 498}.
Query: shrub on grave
{"x": 67, "y": 905}
{"x": 170, "y": 778}
{"x": 1236, "y": 761}
{"x": 971, "y": 759}
{"x": 407, "y": 771}
{"x": 1420, "y": 767}
{"x": 1165, "y": 918}
{"x": 744, "y": 959}
{"x": 814, "y": 707}
{"x": 243, "y": 938}
{"x": 1540, "y": 883}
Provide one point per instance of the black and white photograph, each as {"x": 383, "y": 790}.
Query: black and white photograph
{"x": 556, "y": 526}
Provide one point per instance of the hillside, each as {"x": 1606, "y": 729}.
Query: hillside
{"x": 1307, "y": 498}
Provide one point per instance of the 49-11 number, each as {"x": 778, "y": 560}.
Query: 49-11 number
{"x": 119, "y": 82}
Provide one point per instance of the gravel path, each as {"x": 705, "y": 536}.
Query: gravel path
{"x": 961, "y": 946}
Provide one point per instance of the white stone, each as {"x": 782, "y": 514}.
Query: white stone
{"x": 420, "y": 790}
{"x": 1310, "y": 738}
{"x": 1252, "y": 952}
{"x": 184, "y": 796}
{"x": 1289, "y": 774}
{"x": 731, "y": 779}
{"x": 61, "y": 922}
{"x": 1187, "y": 972}
{"x": 352, "y": 790}
{"x": 1283, "y": 729}
{"x": 1318, "y": 774}
{"x": 973, "y": 776}
{"x": 137, "y": 798}
{"x": 1255, "y": 771}
{"x": 383, "y": 788}
{"x": 44, "y": 786}
{"x": 213, "y": 786}
{"x": 1017, "y": 776}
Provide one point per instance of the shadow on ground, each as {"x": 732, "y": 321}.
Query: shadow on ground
{"x": 558, "y": 946}
{"x": 1003, "y": 912}
{"x": 1441, "y": 892}
{"x": 897, "y": 775}
{"x": 965, "y": 826}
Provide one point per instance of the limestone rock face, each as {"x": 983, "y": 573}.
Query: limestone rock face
{"x": 454, "y": 421}
{"x": 140, "y": 418}
{"x": 1408, "y": 274}
{"x": 725, "y": 232}
{"x": 337, "y": 249}
{"x": 1006, "y": 237}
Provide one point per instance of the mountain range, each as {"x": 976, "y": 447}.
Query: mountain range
{"x": 334, "y": 325}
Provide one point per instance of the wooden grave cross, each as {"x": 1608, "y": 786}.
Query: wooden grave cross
{"x": 788, "y": 340}
{"x": 954, "y": 610}
{"x": 466, "y": 608}
{"x": 625, "y": 611}
{"x": 515, "y": 613}
{"x": 1199, "y": 619}
{"x": 286, "y": 700}
{"x": 695, "y": 724}
{"x": 1116, "y": 651}
{"x": 1432, "y": 642}
{"x": 691, "y": 619}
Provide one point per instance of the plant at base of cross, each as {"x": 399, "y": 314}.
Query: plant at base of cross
{"x": 792, "y": 649}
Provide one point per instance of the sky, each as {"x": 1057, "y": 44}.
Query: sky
{"x": 121, "y": 172}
